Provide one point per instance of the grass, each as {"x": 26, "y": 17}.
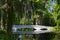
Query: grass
{"x": 4, "y": 36}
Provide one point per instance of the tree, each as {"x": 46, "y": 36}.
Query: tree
{"x": 9, "y": 21}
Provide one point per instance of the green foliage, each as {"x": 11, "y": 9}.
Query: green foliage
{"x": 26, "y": 29}
{"x": 26, "y": 11}
{"x": 48, "y": 20}
{"x": 4, "y": 36}
{"x": 58, "y": 1}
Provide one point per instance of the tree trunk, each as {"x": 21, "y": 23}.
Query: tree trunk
{"x": 9, "y": 22}
{"x": 1, "y": 20}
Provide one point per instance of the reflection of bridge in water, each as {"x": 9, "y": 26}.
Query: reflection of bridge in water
{"x": 38, "y": 29}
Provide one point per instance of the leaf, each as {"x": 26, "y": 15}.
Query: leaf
{"x": 37, "y": 0}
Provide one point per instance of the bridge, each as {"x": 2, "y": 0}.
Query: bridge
{"x": 38, "y": 29}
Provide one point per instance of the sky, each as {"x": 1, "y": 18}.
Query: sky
{"x": 52, "y": 6}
